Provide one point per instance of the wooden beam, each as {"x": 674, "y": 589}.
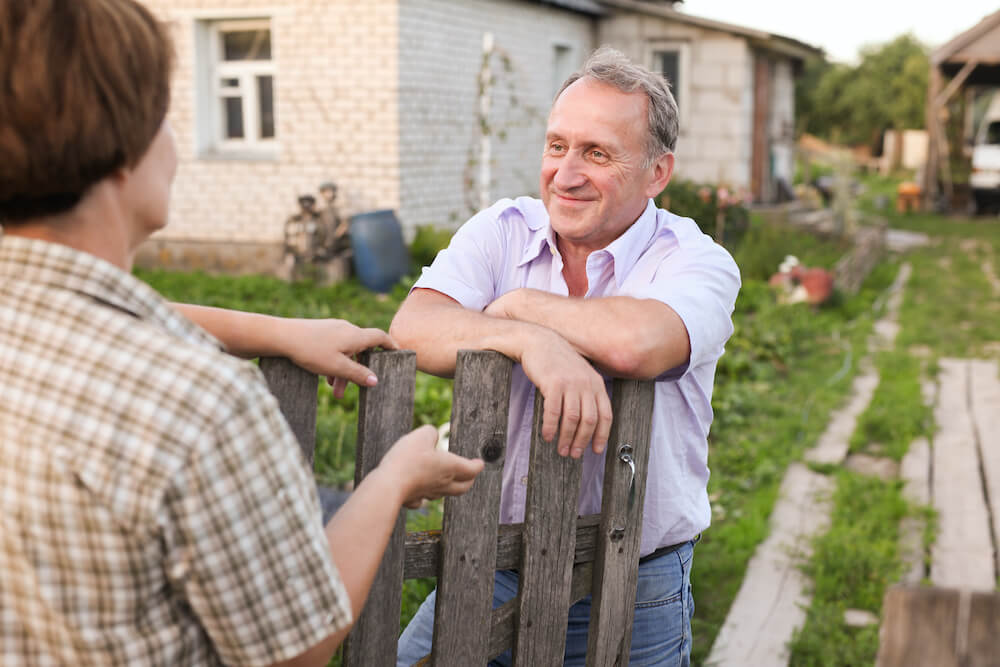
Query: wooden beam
{"x": 955, "y": 83}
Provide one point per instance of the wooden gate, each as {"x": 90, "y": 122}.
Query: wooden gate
{"x": 561, "y": 558}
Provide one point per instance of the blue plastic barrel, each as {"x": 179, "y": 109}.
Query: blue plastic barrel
{"x": 380, "y": 255}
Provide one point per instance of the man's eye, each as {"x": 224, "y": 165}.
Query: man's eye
{"x": 557, "y": 148}
{"x": 599, "y": 155}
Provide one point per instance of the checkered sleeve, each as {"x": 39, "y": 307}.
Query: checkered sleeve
{"x": 245, "y": 544}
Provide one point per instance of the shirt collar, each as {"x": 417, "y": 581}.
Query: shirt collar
{"x": 55, "y": 265}
{"x": 625, "y": 250}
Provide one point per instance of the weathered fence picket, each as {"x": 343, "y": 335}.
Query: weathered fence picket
{"x": 385, "y": 414}
{"x": 468, "y": 543}
{"x": 561, "y": 558}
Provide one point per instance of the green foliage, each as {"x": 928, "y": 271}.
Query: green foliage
{"x": 428, "y": 242}
{"x": 784, "y": 369}
{"x": 855, "y": 104}
{"x": 766, "y": 244}
{"x": 700, "y": 202}
{"x": 897, "y": 413}
{"x": 852, "y": 565}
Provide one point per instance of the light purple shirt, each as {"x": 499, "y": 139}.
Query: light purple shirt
{"x": 661, "y": 256}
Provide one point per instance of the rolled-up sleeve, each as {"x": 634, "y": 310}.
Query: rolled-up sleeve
{"x": 244, "y": 537}
{"x": 469, "y": 269}
{"x": 700, "y": 284}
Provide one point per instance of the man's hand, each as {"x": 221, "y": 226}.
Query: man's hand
{"x": 427, "y": 472}
{"x": 329, "y": 347}
{"x": 576, "y": 401}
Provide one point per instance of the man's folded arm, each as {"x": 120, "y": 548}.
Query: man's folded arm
{"x": 576, "y": 402}
{"x": 625, "y": 336}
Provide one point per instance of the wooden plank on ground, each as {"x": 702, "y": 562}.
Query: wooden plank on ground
{"x": 831, "y": 448}
{"x": 615, "y": 568}
{"x": 962, "y": 554}
{"x": 772, "y": 601}
{"x": 295, "y": 389}
{"x": 918, "y": 627}
{"x": 549, "y": 543}
{"x": 468, "y": 536}
{"x": 984, "y": 389}
{"x": 385, "y": 414}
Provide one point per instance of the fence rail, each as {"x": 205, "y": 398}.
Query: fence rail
{"x": 561, "y": 557}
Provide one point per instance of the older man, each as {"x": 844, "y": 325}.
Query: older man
{"x": 593, "y": 272}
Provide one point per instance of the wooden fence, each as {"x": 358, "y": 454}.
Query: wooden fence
{"x": 561, "y": 558}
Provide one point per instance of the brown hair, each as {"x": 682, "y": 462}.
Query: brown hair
{"x": 84, "y": 88}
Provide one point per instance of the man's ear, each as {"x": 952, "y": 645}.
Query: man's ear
{"x": 663, "y": 169}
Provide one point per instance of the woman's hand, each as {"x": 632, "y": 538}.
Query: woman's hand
{"x": 329, "y": 347}
{"x": 425, "y": 472}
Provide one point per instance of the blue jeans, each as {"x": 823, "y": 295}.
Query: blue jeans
{"x": 661, "y": 631}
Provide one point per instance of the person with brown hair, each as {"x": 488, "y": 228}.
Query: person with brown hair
{"x": 154, "y": 505}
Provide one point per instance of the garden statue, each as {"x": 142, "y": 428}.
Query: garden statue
{"x": 317, "y": 243}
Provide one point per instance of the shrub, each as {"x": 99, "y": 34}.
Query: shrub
{"x": 703, "y": 203}
{"x": 428, "y": 242}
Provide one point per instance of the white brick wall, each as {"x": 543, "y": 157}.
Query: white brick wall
{"x": 716, "y": 116}
{"x": 441, "y": 43}
{"x": 380, "y": 96}
{"x": 337, "y": 117}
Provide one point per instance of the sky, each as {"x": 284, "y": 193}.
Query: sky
{"x": 842, "y": 27}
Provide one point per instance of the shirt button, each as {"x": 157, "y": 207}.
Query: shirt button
{"x": 524, "y": 480}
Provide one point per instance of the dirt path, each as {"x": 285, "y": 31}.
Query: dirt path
{"x": 772, "y": 601}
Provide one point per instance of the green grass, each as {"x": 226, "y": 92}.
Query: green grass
{"x": 854, "y": 563}
{"x": 786, "y": 367}
{"x": 897, "y": 413}
{"x": 949, "y": 309}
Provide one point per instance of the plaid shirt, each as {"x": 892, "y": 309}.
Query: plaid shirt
{"x": 154, "y": 506}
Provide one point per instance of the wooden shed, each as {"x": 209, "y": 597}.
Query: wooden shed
{"x": 964, "y": 65}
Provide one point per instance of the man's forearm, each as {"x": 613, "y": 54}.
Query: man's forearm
{"x": 437, "y": 327}
{"x": 626, "y": 336}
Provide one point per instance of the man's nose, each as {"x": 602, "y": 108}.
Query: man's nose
{"x": 569, "y": 173}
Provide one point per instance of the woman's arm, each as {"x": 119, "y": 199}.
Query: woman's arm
{"x": 323, "y": 346}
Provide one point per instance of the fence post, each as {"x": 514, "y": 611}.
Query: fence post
{"x": 295, "y": 389}
{"x": 463, "y": 609}
{"x": 616, "y": 560}
{"x": 549, "y": 545}
{"x": 385, "y": 413}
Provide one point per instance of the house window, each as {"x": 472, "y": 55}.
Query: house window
{"x": 671, "y": 60}
{"x": 562, "y": 65}
{"x": 236, "y": 93}
{"x": 669, "y": 63}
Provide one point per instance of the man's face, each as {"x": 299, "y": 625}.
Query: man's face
{"x": 593, "y": 182}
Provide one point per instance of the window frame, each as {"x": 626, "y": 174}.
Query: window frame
{"x": 211, "y": 107}
{"x": 682, "y": 88}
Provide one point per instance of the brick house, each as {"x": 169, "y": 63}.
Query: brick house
{"x": 384, "y": 97}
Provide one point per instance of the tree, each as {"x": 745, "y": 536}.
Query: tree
{"x": 856, "y": 105}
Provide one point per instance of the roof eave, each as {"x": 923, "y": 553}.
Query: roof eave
{"x": 780, "y": 44}
{"x": 941, "y": 54}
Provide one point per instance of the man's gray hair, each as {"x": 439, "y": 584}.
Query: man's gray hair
{"x": 610, "y": 66}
